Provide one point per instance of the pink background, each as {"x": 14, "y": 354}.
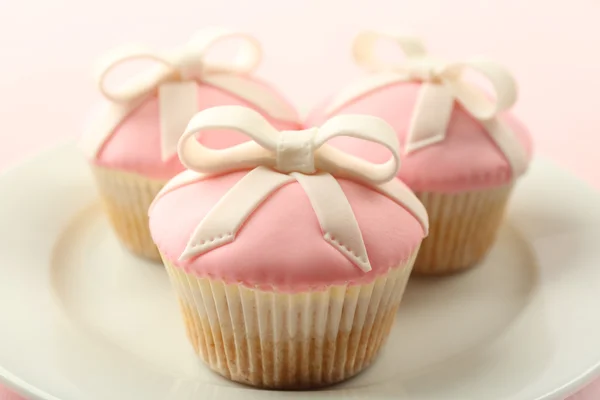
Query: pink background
{"x": 48, "y": 46}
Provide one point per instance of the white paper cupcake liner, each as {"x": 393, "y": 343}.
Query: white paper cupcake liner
{"x": 126, "y": 198}
{"x": 280, "y": 340}
{"x": 462, "y": 228}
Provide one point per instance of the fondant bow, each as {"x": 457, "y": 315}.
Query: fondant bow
{"x": 443, "y": 83}
{"x": 175, "y": 78}
{"x": 276, "y": 158}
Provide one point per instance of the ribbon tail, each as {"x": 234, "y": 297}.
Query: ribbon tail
{"x": 335, "y": 215}
{"x": 509, "y": 145}
{"x": 254, "y": 93}
{"x": 222, "y": 223}
{"x": 430, "y": 118}
{"x": 178, "y": 103}
{"x": 362, "y": 88}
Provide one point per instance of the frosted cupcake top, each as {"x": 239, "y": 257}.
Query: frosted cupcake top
{"x": 454, "y": 135}
{"x": 286, "y": 209}
{"x": 137, "y": 130}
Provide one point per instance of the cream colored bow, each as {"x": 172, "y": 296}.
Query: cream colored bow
{"x": 443, "y": 83}
{"x": 277, "y": 158}
{"x": 175, "y": 80}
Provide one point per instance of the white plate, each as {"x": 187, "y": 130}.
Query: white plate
{"x": 81, "y": 319}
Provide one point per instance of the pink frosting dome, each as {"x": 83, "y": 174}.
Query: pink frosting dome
{"x": 467, "y": 159}
{"x": 281, "y": 245}
{"x": 135, "y": 145}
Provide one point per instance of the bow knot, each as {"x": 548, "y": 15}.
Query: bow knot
{"x": 422, "y": 70}
{"x": 276, "y": 158}
{"x": 189, "y": 65}
{"x": 295, "y": 151}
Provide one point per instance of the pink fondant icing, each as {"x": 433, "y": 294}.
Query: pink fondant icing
{"x": 135, "y": 145}
{"x": 467, "y": 159}
{"x": 281, "y": 245}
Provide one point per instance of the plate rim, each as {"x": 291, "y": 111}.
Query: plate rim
{"x": 7, "y": 378}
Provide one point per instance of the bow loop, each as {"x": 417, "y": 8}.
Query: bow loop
{"x": 258, "y": 151}
{"x": 141, "y": 84}
{"x": 477, "y": 102}
{"x": 366, "y": 128}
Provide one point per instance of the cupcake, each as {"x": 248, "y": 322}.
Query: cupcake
{"x": 462, "y": 150}
{"x": 131, "y": 143}
{"x": 289, "y": 257}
